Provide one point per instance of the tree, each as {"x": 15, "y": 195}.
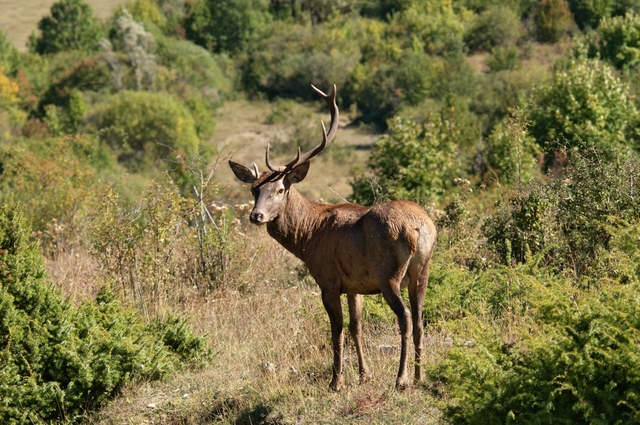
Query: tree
{"x": 226, "y": 25}
{"x": 584, "y": 106}
{"x": 551, "y": 20}
{"x": 71, "y": 26}
{"x": 412, "y": 161}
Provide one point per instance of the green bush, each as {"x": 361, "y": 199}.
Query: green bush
{"x": 9, "y": 55}
{"x": 551, "y": 20}
{"x": 497, "y": 26}
{"x": 583, "y": 107}
{"x": 58, "y": 361}
{"x": 619, "y": 40}
{"x": 510, "y": 152}
{"x": 291, "y": 57}
{"x": 55, "y": 180}
{"x": 412, "y": 161}
{"x": 504, "y": 58}
{"x": 227, "y": 25}
{"x": 571, "y": 359}
{"x": 145, "y": 127}
{"x": 587, "y": 13}
{"x": 71, "y": 26}
{"x": 568, "y": 223}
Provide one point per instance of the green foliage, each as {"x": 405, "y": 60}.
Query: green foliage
{"x": 583, "y": 107}
{"x": 551, "y": 20}
{"x": 503, "y": 59}
{"x": 522, "y": 227}
{"x": 145, "y": 127}
{"x": 587, "y": 13}
{"x": 566, "y": 223}
{"x": 58, "y": 361}
{"x": 291, "y": 57}
{"x": 62, "y": 172}
{"x": 9, "y": 56}
{"x": 227, "y": 25}
{"x": 412, "y": 161}
{"x": 593, "y": 192}
{"x": 163, "y": 244}
{"x": 71, "y": 26}
{"x": 510, "y": 152}
{"x": 496, "y": 26}
{"x": 618, "y": 41}
{"x": 571, "y": 360}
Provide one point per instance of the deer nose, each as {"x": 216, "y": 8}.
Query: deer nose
{"x": 256, "y": 217}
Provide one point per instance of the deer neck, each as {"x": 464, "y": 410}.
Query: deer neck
{"x": 294, "y": 227}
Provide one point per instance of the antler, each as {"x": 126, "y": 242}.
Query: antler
{"x": 326, "y": 138}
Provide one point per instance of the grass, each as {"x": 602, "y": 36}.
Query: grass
{"x": 272, "y": 358}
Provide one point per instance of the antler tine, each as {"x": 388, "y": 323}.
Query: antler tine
{"x": 255, "y": 169}
{"x": 326, "y": 138}
{"x": 281, "y": 168}
{"x": 335, "y": 119}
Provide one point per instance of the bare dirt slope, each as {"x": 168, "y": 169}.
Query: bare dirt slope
{"x": 18, "y": 19}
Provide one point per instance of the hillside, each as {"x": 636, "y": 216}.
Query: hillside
{"x": 134, "y": 288}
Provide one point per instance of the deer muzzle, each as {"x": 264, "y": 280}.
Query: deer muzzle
{"x": 256, "y": 217}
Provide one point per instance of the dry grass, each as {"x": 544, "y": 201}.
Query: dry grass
{"x": 272, "y": 358}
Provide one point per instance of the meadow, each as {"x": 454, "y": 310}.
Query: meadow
{"x": 133, "y": 288}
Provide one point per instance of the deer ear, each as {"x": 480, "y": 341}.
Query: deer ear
{"x": 299, "y": 173}
{"x": 242, "y": 173}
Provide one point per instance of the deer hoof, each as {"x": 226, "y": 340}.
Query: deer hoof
{"x": 402, "y": 384}
{"x": 365, "y": 377}
{"x": 336, "y": 385}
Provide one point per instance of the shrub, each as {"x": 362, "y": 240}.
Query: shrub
{"x": 619, "y": 41}
{"x": 587, "y": 13}
{"x": 503, "y": 58}
{"x": 228, "y": 25}
{"x": 571, "y": 360}
{"x": 566, "y": 223}
{"x": 144, "y": 127}
{"x": 497, "y": 26}
{"x": 291, "y": 57}
{"x": 510, "y": 152}
{"x": 71, "y": 26}
{"x": 583, "y": 107}
{"x": 9, "y": 55}
{"x": 412, "y": 161}
{"x": 551, "y": 20}
{"x": 56, "y": 181}
{"x": 58, "y": 361}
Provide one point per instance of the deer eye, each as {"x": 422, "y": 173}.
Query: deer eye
{"x": 280, "y": 191}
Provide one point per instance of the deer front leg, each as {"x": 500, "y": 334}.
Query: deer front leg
{"x": 332, "y": 304}
{"x": 355, "y": 328}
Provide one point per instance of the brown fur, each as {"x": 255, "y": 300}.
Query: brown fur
{"x": 349, "y": 249}
{"x": 353, "y": 250}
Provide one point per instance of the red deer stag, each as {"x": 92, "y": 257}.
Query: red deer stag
{"x": 349, "y": 249}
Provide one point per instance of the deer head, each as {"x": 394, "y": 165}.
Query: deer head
{"x": 270, "y": 188}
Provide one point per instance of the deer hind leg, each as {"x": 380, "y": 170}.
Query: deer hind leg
{"x": 331, "y": 302}
{"x": 355, "y": 328}
{"x": 391, "y": 292}
{"x": 417, "y": 289}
